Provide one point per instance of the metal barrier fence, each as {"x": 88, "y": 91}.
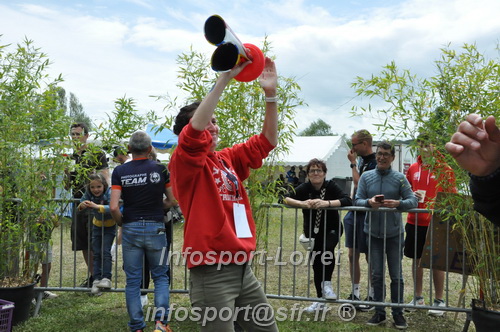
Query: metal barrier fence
{"x": 280, "y": 263}
{"x": 290, "y": 232}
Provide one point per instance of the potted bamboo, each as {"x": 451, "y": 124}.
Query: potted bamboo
{"x": 31, "y": 127}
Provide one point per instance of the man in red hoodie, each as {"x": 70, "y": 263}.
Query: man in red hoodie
{"x": 219, "y": 233}
{"x": 428, "y": 176}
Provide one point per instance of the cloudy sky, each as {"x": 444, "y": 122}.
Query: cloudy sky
{"x": 106, "y": 49}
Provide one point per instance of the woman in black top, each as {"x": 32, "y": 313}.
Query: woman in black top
{"x": 313, "y": 197}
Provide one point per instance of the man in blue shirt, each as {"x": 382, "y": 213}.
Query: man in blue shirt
{"x": 142, "y": 184}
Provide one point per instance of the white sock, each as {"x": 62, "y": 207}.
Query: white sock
{"x": 372, "y": 292}
{"x": 355, "y": 290}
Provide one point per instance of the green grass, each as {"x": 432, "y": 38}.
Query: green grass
{"x": 81, "y": 312}
{"x": 77, "y": 311}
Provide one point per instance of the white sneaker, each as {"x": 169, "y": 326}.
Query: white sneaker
{"x": 315, "y": 307}
{"x": 414, "y": 303}
{"x": 95, "y": 290}
{"x": 113, "y": 252}
{"x": 438, "y": 304}
{"x": 104, "y": 283}
{"x": 49, "y": 295}
{"x": 328, "y": 292}
{"x": 144, "y": 300}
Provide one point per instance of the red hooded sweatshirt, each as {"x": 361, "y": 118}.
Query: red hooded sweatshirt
{"x": 207, "y": 184}
{"x": 421, "y": 177}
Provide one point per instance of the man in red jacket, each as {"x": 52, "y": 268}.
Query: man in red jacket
{"x": 219, "y": 233}
{"x": 428, "y": 176}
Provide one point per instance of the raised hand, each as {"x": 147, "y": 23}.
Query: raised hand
{"x": 476, "y": 145}
{"x": 269, "y": 78}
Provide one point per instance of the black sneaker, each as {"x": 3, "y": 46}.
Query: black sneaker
{"x": 353, "y": 297}
{"x": 87, "y": 283}
{"x": 377, "y": 319}
{"x": 366, "y": 307}
{"x": 400, "y": 322}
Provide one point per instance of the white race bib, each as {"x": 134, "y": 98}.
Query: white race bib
{"x": 241, "y": 221}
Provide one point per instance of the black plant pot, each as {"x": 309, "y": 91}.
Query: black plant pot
{"x": 485, "y": 320}
{"x": 21, "y": 296}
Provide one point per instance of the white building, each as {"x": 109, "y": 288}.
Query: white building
{"x": 331, "y": 149}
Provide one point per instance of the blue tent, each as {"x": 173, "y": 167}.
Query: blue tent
{"x": 163, "y": 139}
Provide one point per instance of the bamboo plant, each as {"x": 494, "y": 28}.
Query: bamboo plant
{"x": 32, "y": 128}
{"x": 467, "y": 82}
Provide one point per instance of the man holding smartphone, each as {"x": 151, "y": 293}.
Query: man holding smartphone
{"x": 385, "y": 188}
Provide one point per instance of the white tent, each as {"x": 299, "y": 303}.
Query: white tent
{"x": 331, "y": 149}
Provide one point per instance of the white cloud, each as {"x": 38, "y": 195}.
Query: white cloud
{"x": 134, "y": 51}
{"x": 328, "y": 58}
{"x": 142, "y": 3}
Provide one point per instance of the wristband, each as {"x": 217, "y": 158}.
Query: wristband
{"x": 271, "y": 99}
{"x": 353, "y": 165}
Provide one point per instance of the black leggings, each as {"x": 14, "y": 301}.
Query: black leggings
{"x": 324, "y": 254}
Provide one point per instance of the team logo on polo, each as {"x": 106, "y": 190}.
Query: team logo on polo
{"x": 154, "y": 177}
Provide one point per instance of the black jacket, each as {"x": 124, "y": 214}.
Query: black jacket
{"x": 306, "y": 191}
{"x": 486, "y": 195}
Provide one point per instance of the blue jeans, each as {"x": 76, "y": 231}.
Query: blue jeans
{"x": 394, "y": 251}
{"x": 139, "y": 239}
{"x": 102, "y": 240}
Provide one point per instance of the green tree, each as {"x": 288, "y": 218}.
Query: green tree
{"x": 466, "y": 82}
{"x": 62, "y": 102}
{"x": 76, "y": 111}
{"x": 318, "y": 128}
{"x": 123, "y": 121}
{"x": 33, "y": 128}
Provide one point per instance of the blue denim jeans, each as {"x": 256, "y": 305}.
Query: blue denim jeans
{"x": 394, "y": 252}
{"x": 139, "y": 239}
{"x": 102, "y": 240}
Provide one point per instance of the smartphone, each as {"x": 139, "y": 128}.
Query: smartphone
{"x": 379, "y": 198}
